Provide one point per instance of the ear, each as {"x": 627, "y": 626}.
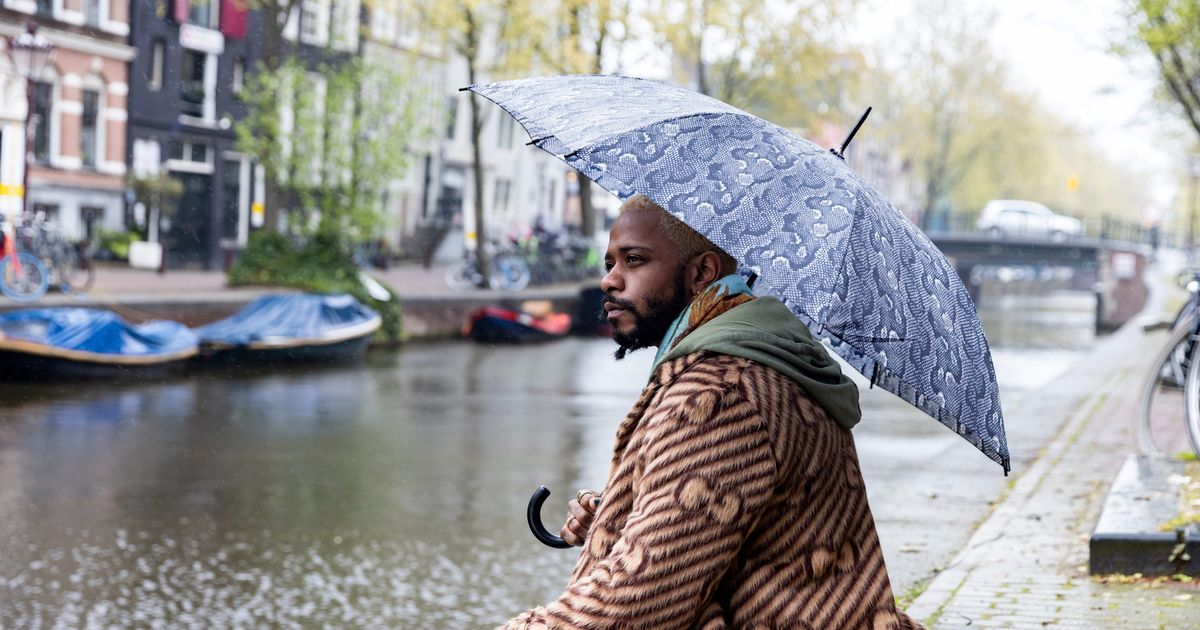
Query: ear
{"x": 703, "y": 270}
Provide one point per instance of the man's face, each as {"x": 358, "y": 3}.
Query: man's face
{"x": 644, "y": 287}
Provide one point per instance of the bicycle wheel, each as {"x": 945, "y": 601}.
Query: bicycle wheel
{"x": 1191, "y": 399}
{"x": 1163, "y": 411}
{"x": 75, "y": 270}
{"x": 509, "y": 273}
{"x": 461, "y": 276}
{"x": 26, "y": 281}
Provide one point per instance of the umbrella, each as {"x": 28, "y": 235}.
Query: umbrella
{"x": 846, "y": 262}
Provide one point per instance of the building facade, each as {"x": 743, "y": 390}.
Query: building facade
{"x": 191, "y": 65}
{"x": 78, "y": 122}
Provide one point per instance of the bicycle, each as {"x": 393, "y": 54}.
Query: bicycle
{"x": 507, "y": 271}
{"x": 22, "y": 276}
{"x": 68, "y": 263}
{"x": 1169, "y": 409}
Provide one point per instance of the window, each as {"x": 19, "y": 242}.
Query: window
{"x": 451, "y": 116}
{"x": 42, "y": 96}
{"x": 198, "y": 153}
{"x": 189, "y": 156}
{"x": 191, "y": 83}
{"x": 504, "y": 132}
{"x": 239, "y": 76}
{"x": 314, "y": 22}
{"x": 383, "y": 20}
{"x": 155, "y": 78}
{"x": 91, "y": 12}
{"x": 88, "y": 140}
{"x": 203, "y": 13}
{"x": 346, "y": 23}
{"x": 45, "y": 8}
{"x": 146, "y": 156}
{"x": 230, "y": 202}
{"x": 500, "y": 202}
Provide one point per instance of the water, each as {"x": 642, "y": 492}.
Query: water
{"x": 386, "y": 494}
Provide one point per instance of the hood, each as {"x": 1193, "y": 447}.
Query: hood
{"x": 763, "y": 330}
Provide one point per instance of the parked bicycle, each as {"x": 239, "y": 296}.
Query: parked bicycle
{"x": 22, "y": 276}
{"x": 507, "y": 271}
{"x": 1169, "y": 413}
{"x": 68, "y": 263}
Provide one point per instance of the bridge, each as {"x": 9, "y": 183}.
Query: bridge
{"x": 1109, "y": 262}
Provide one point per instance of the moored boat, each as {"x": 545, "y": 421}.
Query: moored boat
{"x": 495, "y": 324}
{"x": 73, "y": 343}
{"x": 290, "y": 328}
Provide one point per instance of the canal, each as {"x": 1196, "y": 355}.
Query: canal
{"x": 392, "y": 493}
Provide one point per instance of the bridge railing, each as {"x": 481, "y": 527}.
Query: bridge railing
{"x": 1103, "y": 227}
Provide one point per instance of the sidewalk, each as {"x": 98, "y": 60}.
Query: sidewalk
{"x": 119, "y": 283}
{"x": 1026, "y": 565}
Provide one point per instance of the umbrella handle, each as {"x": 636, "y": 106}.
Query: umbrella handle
{"x": 533, "y": 514}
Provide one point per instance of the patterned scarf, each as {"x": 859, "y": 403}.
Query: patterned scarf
{"x": 715, "y": 299}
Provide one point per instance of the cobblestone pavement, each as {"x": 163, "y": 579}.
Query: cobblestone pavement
{"x": 1026, "y": 565}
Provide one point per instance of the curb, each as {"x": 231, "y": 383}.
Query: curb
{"x": 947, "y": 583}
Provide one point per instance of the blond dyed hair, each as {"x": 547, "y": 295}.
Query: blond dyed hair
{"x": 687, "y": 242}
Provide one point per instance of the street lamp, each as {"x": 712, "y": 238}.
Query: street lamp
{"x": 29, "y": 52}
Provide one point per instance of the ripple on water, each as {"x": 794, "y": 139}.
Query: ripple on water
{"x": 359, "y": 582}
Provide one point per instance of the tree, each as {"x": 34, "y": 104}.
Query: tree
{"x": 1170, "y": 30}
{"x": 777, "y": 60}
{"x": 331, "y": 140}
{"x": 158, "y": 192}
{"x": 276, "y": 14}
{"x": 951, "y": 96}
{"x": 580, "y": 36}
{"x": 494, "y": 38}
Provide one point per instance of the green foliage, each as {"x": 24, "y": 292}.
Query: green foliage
{"x": 951, "y": 105}
{"x": 785, "y": 61}
{"x": 332, "y": 139}
{"x": 1170, "y": 31}
{"x": 321, "y": 265}
{"x": 116, "y": 242}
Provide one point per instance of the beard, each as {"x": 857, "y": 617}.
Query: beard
{"x": 651, "y": 323}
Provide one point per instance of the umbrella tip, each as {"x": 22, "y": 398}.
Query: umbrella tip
{"x": 841, "y": 152}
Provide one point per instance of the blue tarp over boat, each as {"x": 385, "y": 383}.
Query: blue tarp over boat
{"x": 96, "y": 332}
{"x": 293, "y": 321}
{"x": 70, "y": 343}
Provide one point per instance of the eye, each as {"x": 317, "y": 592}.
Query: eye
{"x": 608, "y": 265}
{"x": 633, "y": 259}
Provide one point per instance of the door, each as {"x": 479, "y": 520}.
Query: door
{"x": 187, "y": 240}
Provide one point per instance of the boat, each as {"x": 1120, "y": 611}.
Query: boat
{"x": 496, "y": 324}
{"x": 87, "y": 343}
{"x": 291, "y": 328}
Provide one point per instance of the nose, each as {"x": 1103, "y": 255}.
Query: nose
{"x": 611, "y": 281}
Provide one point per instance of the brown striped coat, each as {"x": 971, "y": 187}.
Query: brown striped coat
{"x": 732, "y": 502}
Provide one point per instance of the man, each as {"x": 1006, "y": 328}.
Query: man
{"x": 734, "y": 499}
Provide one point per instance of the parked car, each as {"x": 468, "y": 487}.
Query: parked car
{"x": 1002, "y": 217}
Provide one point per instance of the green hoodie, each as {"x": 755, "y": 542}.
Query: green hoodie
{"x": 765, "y": 331}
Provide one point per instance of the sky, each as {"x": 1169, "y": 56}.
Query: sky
{"x": 1059, "y": 49}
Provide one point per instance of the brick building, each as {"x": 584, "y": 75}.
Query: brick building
{"x": 77, "y": 169}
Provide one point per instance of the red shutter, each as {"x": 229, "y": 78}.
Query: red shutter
{"x": 233, "y": 18}
{"x": 181, "y": 11}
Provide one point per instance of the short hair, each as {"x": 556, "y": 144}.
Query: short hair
{"x": 687, "y": 242}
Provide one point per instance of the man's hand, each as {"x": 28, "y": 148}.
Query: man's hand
{"x": 582, "y": 508}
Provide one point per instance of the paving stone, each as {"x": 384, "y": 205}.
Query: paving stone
{"x": 1026, "y": 564}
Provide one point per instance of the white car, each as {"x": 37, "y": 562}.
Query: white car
{"x": 1003, "y": 217}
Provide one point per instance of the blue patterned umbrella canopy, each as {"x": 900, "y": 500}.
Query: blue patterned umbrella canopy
{"x": 854, "y": 269}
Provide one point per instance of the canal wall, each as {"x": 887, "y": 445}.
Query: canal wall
{"x": 426, "y": 315}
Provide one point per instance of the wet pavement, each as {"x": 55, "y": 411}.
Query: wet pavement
{"x": 394, "y": 491}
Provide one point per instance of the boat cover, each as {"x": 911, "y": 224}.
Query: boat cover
{"x": 96, "y": 331}
{"x": 291, "y": 316}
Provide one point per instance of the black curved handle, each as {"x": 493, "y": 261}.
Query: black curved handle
{"x": 533, "y": 514}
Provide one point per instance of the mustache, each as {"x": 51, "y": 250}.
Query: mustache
{"x": 625, "y": 304}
